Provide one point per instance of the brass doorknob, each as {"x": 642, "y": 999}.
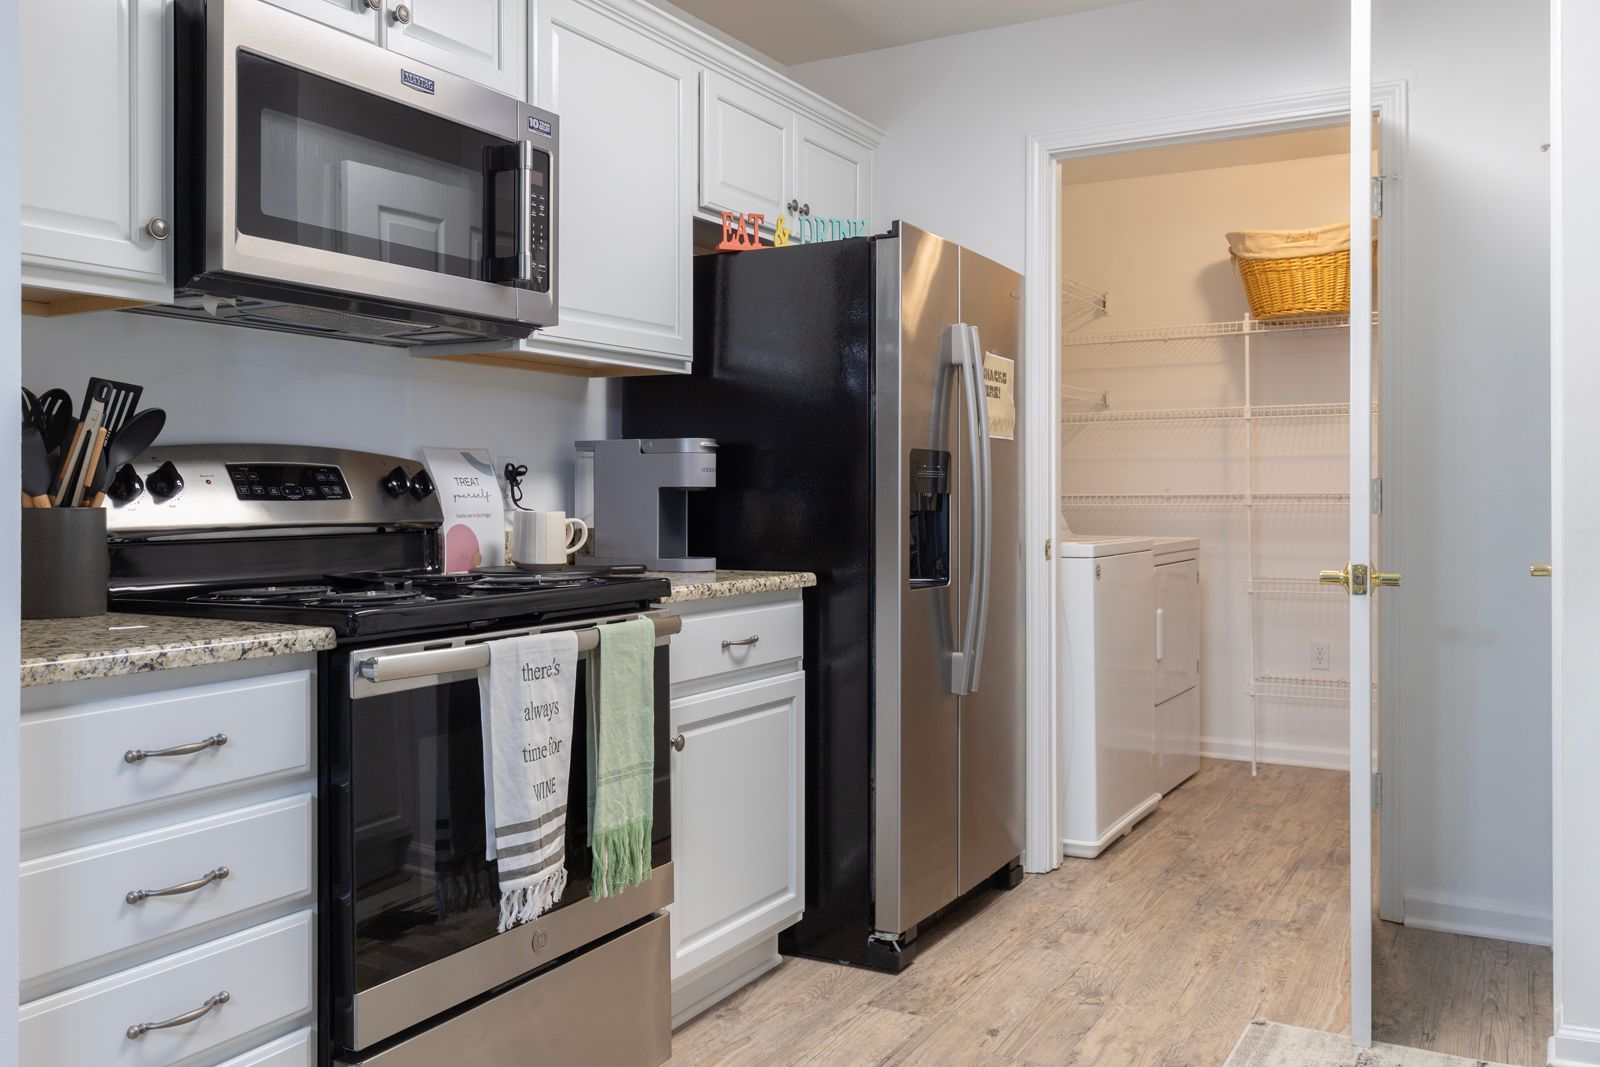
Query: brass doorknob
{"x": 1390, "y": 581}
{"x": 1335, "y": 577}
{"x": 1540, "y": 570}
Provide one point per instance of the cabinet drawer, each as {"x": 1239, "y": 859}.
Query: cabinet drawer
{"x": 699, "y": 651}
{"x": 76, "y": 901}
{"x": 266, "y": 972}
{"x": 296, "y": 1050}
{"x": 74, "y": 759}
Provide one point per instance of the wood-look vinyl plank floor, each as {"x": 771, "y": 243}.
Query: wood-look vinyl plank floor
{"x": 1228, "y": 903}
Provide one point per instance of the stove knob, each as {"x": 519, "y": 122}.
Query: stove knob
{"x": 421, "y": 484}
{"x": 395, "y": 482}
{"x": 164, "y": 481}
{"x": 126, "y": 486}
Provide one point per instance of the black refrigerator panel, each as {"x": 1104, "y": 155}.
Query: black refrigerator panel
{"x": 783, "y": 381}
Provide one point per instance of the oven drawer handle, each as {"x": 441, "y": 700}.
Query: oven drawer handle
{"x": 744, "y": 642}
{"x": 216, "y": 1000}
{"x": 139, "y": 755}
{"x": 136, "y": 896}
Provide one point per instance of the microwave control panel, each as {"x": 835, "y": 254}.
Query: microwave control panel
{"x": 539, "y": 221}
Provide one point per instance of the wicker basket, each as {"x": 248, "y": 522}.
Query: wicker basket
{"x": 1282, "y": 281}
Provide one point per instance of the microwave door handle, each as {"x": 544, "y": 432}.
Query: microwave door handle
{"x": 983, "y": 509}
{"x": 501, "y": 159}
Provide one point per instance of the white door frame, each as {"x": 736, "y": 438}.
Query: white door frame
{"x": 1042, "y": 389}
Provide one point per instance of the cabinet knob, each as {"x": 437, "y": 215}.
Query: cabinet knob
{"x": 157, "y": 228}
{"x": 401, "y": 14}
{"x": 372, "y": 5}
{"x": 677, "y": 742}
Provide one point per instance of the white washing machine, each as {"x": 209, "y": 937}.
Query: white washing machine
{"x": 1106, "y": 598}
{"x": 1177, "y": 659}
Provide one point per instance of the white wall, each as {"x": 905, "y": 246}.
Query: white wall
{"x": 1155, "y": 242}
{"x": 1467, "y": 478}
{"x": 1575, "y": 382}
{"x": 10, "y": 463}
{"x": 223, "y": 383}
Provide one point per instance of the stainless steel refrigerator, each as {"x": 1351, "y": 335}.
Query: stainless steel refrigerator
{"x": 864, "y": 397}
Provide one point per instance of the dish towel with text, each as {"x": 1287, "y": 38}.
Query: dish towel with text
{"x": 622, "y": 755}
{"x": 527, "y": 696}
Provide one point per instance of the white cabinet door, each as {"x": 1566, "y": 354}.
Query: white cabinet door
{"x": 1177, "y": 629}
{"x": 833, "y": 174}
{"x": 737, "y": 823}
{"x": 94, "y": 147}
{"x": 746, "y": 149}
{"x": 352, "y": 16}
{"x": 626, "y": 188}
{"x": 484, "y": 40}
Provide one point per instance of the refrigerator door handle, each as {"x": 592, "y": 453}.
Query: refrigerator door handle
{"x": 983, "y": 510}
{"x": 953, "y": 360}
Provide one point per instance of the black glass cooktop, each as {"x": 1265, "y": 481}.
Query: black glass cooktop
{"x": 392, "y": 602}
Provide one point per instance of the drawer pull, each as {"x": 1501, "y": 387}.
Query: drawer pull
{"x": 743, "y": 643}
{"x": 677, "y": 743}
{"x": 136, "y": 895}
{"x": 138, "y": 1030}
{"x": 139, "y": 755}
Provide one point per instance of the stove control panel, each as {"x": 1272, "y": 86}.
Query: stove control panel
{"x": 287, "y": 481}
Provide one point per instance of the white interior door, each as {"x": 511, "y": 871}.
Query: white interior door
{"x": 1359, "y": 578}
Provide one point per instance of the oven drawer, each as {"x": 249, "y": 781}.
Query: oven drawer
{"x": 83, "y": 760}
{"x": 76, "y": 902}
{"x": 719, "y": 642}
{"x": 609, "y": 1005}
{"x": 266, "y": 972}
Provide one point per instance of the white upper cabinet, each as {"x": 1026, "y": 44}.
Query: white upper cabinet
{"x": 625, "y": 191}
{"x": 747, "y": 142}
{"x": 833, "y": 173}
{"x": 95, "y": 136}
{"x": 484, "y": 40}
{"x": 357, "y": 17}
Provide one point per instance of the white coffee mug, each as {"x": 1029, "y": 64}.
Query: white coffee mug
{"x": 545, "y": 538}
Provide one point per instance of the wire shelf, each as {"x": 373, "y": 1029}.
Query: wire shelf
{"x": 1079, "y": 293}
{"x": 1205, "y": 500}
{"x": 1193, "y": 331}
{"x": 1303, "y": 690}
{"x": 1078, "y": 395}
{"x": 1229, "y": 414}
{"x": 1309, "y": 588}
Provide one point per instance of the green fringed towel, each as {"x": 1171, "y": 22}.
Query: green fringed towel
{"x": 621, "y": 755}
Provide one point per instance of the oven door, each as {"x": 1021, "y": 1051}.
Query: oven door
{"x": 332, "y": 166}
{"x": 410, "y": 903}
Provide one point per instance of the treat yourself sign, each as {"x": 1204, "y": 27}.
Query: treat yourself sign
{"x": 474, "y": 515}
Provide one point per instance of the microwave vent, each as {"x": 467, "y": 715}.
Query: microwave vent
{"x": 308, "y": 321}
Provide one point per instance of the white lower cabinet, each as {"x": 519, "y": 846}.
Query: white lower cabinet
{"x": 738, "y": 822}
{"x": 167, "y": 900}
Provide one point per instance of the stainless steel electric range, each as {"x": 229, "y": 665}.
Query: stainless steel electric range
{"x": 411, "y": 969}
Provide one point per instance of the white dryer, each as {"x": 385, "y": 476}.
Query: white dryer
{"x": 1177, "y": 659}
{"x": 1105, "y": 688}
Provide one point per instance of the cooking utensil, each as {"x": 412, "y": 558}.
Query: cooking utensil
{"x": 35, "y": 469}
{"x": 138, "y": 435}
{"x": 55, "y": 409}
{"x": 30, "y": 409}
{"x": 91, "y": 465}
{"x": 73, "y": 469}
{"x": 120, "y": 402}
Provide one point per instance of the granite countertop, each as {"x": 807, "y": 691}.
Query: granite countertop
{"x": 105, "y": 646}
{"x": 709, "y": 585}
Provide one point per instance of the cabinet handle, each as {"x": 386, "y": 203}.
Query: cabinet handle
{"x": 373, "y": 5}
{"x": 677, "y": 742}
{"x": 741, "y": 643}
{"x": 805, "y": 209}
{"x": 401, "y": 14}
{"x": 135, "y": 896}
{"x": 139, "y": 755}
{"x": 157, "y": 227}
{"x": 217, "y": 1000}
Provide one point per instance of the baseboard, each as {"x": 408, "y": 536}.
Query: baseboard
{"x": 1088, "y": 850}
{"x": 1575, "y": 1046}
{"x": 1478, "y": 918}
{"x": 1321, "y": 757}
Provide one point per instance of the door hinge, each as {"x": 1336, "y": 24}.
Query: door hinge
{"x": 1377, "y": 196}
{"x": 1377, "y": 789}
{"x": 1377, "y": 496}
{"x": 1047, "y": 543}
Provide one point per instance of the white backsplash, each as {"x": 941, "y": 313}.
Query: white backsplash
{"x": 229, "y": 384}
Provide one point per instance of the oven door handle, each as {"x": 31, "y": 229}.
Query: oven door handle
{"x": 402, "y": 665}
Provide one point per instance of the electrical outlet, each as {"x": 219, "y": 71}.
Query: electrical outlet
{"x": 1321, "y": 656}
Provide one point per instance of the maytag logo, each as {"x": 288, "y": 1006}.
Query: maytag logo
{"x": 416, "y": 81}
{"x": 540, "y": 126}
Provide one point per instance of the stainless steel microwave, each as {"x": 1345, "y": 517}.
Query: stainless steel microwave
{"x": 325, "y": 185}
